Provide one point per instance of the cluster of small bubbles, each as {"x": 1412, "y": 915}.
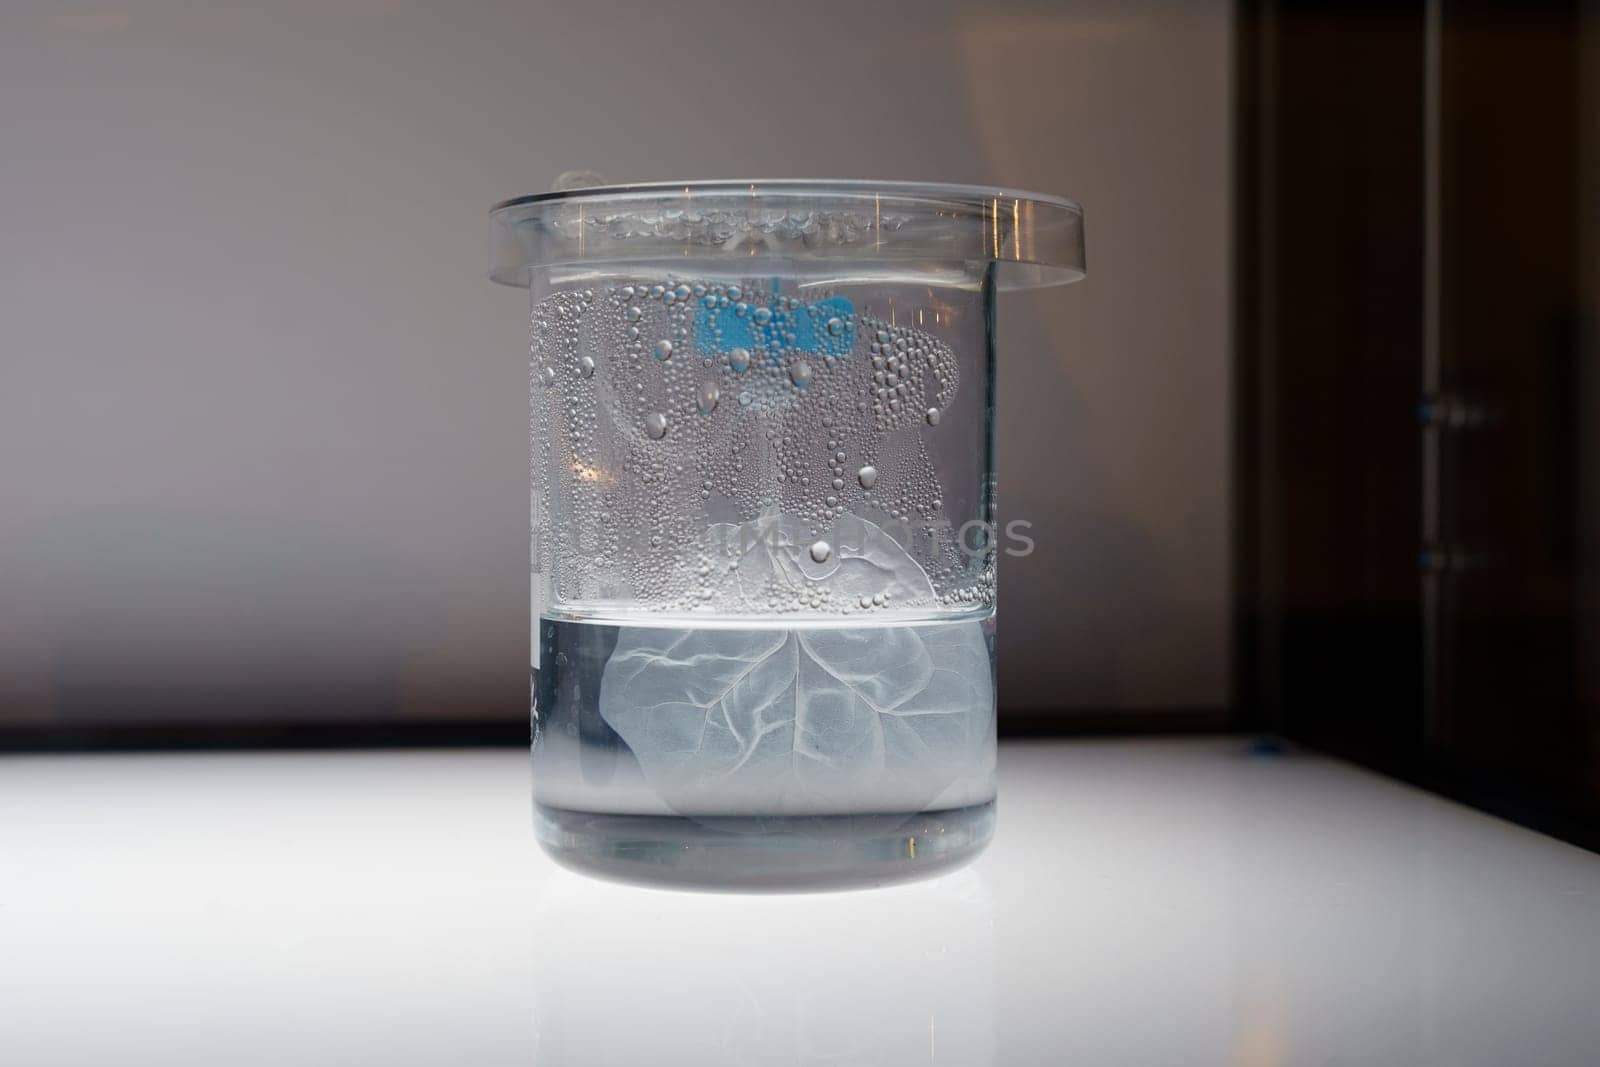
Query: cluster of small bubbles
{"x": 814, "y": 598}
{"x": 980, "y": 592}
{"x": 875, "y": 600}
{"x": 908, "y": 365}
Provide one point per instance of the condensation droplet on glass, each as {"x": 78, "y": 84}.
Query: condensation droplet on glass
{"x": 655, "y": 424}
{"x": 821, "y": 551}
{"x": 867, "y": 476}
{"x": 708, "y": 397}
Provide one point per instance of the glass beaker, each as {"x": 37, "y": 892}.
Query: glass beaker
{"x": 763, "y": 529}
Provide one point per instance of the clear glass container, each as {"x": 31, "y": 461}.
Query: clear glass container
{"x": 763, "y": 526}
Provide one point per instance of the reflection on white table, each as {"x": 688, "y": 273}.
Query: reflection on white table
{"x": 901, "y": 975}
{"x": 1168, "y": 902}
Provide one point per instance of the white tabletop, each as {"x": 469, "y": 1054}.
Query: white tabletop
{"x": 1146, "y": 903}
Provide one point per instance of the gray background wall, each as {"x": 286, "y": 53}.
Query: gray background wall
{"x": 261, "y": 416}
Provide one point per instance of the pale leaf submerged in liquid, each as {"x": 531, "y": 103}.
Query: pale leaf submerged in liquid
{"x": 803, "y": 721}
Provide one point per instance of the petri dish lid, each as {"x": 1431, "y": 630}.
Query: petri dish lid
{"x": 908, "y": 227}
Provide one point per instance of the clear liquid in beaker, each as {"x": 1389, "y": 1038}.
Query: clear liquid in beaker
{"x": 789, "y": 755}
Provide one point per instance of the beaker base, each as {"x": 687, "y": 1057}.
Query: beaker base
{"x": 764, "y": 853}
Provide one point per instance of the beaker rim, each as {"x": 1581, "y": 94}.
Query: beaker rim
{"x": 1035, "y": 239}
